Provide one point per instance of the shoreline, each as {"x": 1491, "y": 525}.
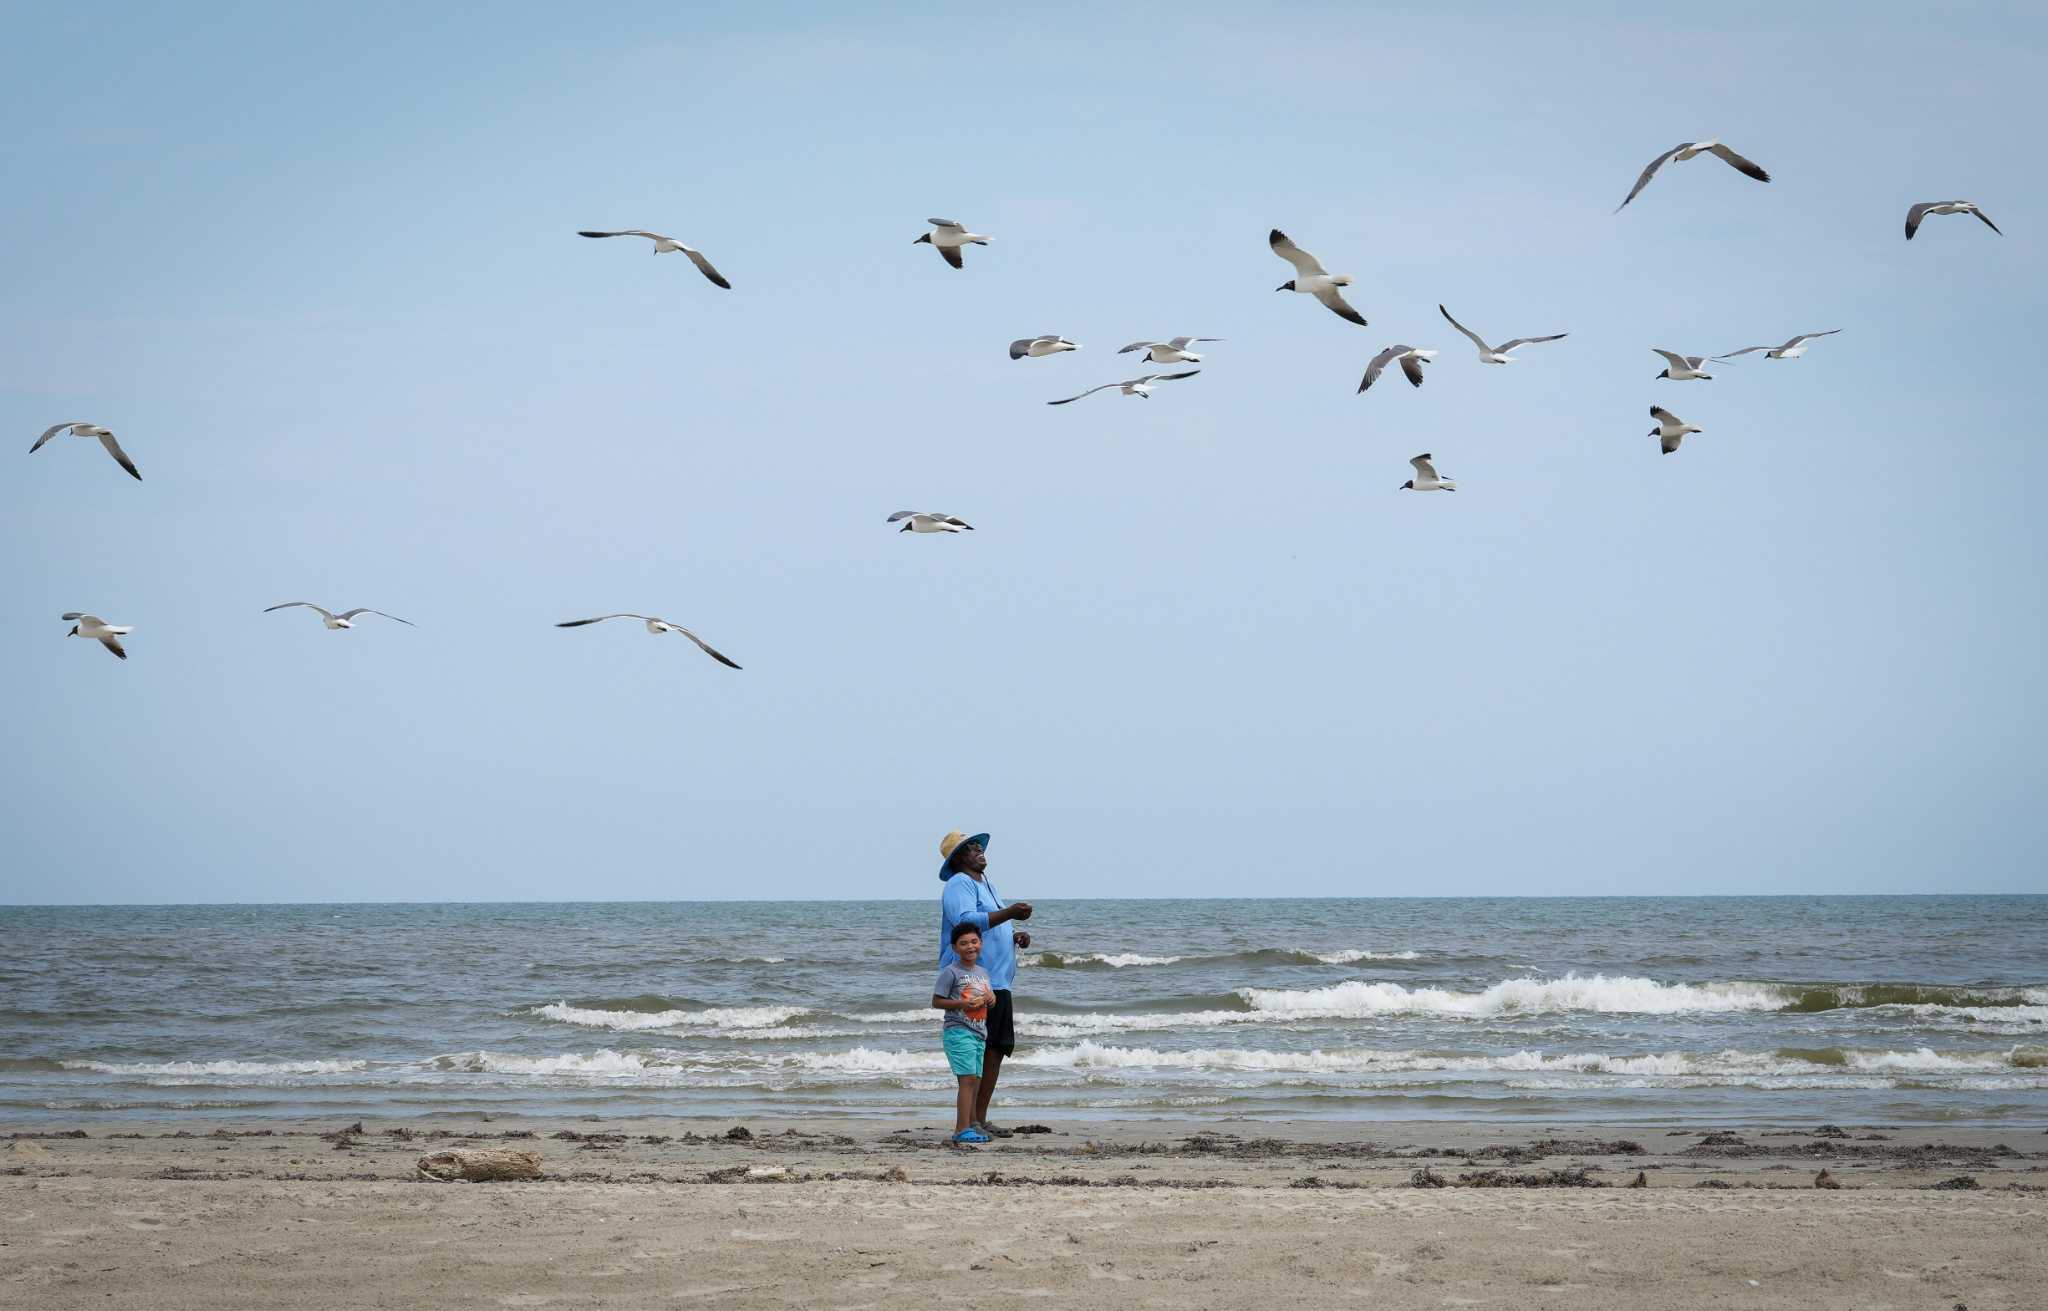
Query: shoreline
{"x": 204, "y": 1213}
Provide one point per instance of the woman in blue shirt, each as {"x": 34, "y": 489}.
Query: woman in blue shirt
{"x": 970, "y": 897}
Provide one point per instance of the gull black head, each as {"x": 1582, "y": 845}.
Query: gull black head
{"x": 921, "y": 240}
{"x": 73, "y": 632}
{"x": 1286, "y": 286}
{"x": 905, "y": 528}
{"x": 1408, "y": 486}
{"x": 1665, "y": 374}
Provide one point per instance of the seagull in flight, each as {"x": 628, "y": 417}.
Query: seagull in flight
{"x": 948, "y": 236}
{"x": 1791, "y": 350}
{"x": 1040, "y": 347}
{"x": 1686, "y": 150}
{"x": 1426, "y": 479}
{"x": 1683, "y": 368}
{"x": 1926, "y": 207}
{"x": 917, "y": 521}
{"x": 656, "y": 626}
{"x": 1670, "y": 429}
{"x": 106, "y": 436}
{"x": 1139, "y": 387}
{"x": 1497, "y": 354}
{"x": 339, "y": 621}
{"x": 1312, "y": 279}
{"x": 1174, "y": 350}
{"x": 106, "y": 634}
{"x": 1411, "y": 359}
{"x": 663, "y": 245}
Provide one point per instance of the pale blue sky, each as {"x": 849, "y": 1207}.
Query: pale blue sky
{"x": 318, "y": 269}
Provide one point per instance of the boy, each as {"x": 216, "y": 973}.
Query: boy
{"x": 963, "y": 993}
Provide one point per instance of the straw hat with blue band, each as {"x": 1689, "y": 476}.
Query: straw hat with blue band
{"x": 951, "y": 843}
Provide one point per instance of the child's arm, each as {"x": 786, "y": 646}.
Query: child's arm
{"x": 949, "y": 1003}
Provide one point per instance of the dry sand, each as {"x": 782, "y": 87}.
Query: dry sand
{"x": 1125, "y": 1214}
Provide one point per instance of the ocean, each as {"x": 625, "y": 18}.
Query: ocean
{"x": 1790, "y": 1009}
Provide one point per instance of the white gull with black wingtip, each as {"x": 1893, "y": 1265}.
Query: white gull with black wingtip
{"x": 664, "y": 245}
{"x": 104, "y": 435}
{"x": 1174, "y": 350}
{"x": 1426, "y": 479}
{"x": 1683, "y": 368}
{"x": 346, "y": 619}
{"x": 656, "y": 626}
{"x": 1926, "y": 207}
{"x": 1411, "y": 360}
{"x": 1038, "y": 348}
{"x": 948, "y": 236}
{"x": 1497, "y": 354}
{"x": 918, "y": 521}
{"x": 1687, "y": 150}
{"x": 1312, "y": 279}
{"x": 1670, "y": 429}
{"x": 1139, "y": 387}
{"x": 1791, "y": 350}
{"x": 99, "y": 630}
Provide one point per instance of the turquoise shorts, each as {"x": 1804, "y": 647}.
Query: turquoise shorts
{"x": 964, "y": 1049}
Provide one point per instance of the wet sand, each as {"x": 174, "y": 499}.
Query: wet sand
{"x": 883, "y": 1214}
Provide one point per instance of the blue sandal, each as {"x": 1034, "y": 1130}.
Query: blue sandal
{"x": 969, "y": 1135}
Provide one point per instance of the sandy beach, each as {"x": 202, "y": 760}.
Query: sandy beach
{"x": 1169, "y": 1214}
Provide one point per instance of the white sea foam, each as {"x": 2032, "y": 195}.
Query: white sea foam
{"x": 717, "y": 1017}
{"x": 1353, "y": 957}
{"x": 189, "y": 1069}
{"x": 604, "y": 1061}
{"x": 1598, "y": 993}
{"x": 867, "y": 1060}
{"x": 1121, "y": 960}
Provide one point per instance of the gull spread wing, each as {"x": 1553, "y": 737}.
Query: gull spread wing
{"x": 1670, "y": 444}
{"x": 628, "y": 232}
{"x": 704, "y": 267}
{"x": 81, "y": 617}
{"x": 1985, "y": 219}
{"x": 114, "y": 644}
{"x": 1808, "y": 336}
{"x": 1379, "y": 362}
{"x": 1163, "y": 377}
{"x": 1738, "y": 163}
{"x": 1477, "y": 340}
{"x": 365, "y": 610}
{"x": 952, "y": 256}
{"x": 1423, "y": 468}
{"x": 954, "y": 224}
{"x": 1648, "y": 173}
{"x": 1411, "y": 364}
{"x": 900, "y": 514}
{"x": 1022, "y": 346}
{"x": 1662, "y": 415}
{"x": 1747, "y": 349}
{"x": 703, "y": 646}
{"x": 1513, "y": 342}
{"x": 956, "y": 521}
{"x": 1677, "y": 361}
{"x": 286, "y": 605}
{"x": 1182, "y": 343}
{"x": 1303, "y": 262}
{"x": 578, "y": 623}
{"x": 48, "y": 433}
{"x": 1914, "y": 215}
{"x": 1139, "y": 346}
{"x": 1339, "y": 306}
{"x": 120, "y": 456}
{"x": 1090, "y": 392}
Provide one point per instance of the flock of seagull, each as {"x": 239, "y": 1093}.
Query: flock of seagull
{"x": 950, "y": 239}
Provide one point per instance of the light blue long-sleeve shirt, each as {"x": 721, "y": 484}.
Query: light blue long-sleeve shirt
{"x": 970, "y": 899}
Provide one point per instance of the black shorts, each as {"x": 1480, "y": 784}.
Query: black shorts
{"x": 1002, "y": 1024}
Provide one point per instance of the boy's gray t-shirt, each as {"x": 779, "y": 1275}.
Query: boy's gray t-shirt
{"x": 951, "y": 977}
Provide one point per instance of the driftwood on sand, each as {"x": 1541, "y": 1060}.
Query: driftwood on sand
{"x": 480, "y": 1165}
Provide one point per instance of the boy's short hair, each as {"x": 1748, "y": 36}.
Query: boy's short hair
{"x": 964, "y": 926}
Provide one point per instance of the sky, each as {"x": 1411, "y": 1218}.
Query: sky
{"x": 316, "y": 266}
